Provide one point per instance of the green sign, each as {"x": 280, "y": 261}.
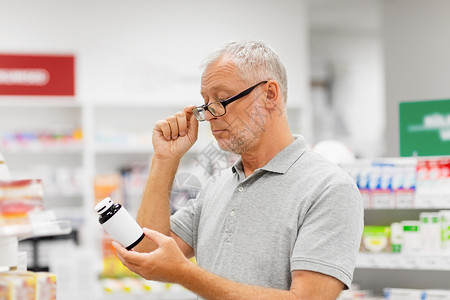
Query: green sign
{"x": 425, "y": 128}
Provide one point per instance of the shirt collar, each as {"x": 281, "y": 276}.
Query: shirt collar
{"x": 281, "y": 162}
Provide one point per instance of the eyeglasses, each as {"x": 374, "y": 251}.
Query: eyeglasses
{"x": 217, "y": 109}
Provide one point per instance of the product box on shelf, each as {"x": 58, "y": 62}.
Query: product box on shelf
{"x": 375, "y": 239}
{"x": 385, "y": 183}
{"x": 430, "y": 232}
{"x": 433, "y": 182}
{"x": 18, "y": 198}
{"x": 112, "y": 266}
{"x": 403, "y": 183}
{"x": 68, "y": 139}
{"x": 413, "y": 294}
{"x": 16, "y": 285}
{"x": 444, "y": 216}
{"x": 396, "y": 237}
{"x": 403, "y": 294}
{"x": 430, "y": 235}
{"x": 437, "y": 294}
{"x": 411, "y": 236}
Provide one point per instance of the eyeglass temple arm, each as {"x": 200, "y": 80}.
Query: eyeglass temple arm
{"x": 241, "y": 94}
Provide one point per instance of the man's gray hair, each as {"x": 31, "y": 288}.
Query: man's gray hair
{"x": 256, "y": 61}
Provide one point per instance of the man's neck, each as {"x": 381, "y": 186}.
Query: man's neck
{"x": 264, "y": 151}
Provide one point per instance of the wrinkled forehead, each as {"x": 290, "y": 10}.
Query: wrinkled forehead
{"x": 220, "y": 73}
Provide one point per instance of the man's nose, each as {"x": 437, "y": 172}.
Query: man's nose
{"x": 209, "y": 116}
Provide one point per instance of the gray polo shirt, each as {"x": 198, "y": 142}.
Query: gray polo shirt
{"x": 298, "y": 212}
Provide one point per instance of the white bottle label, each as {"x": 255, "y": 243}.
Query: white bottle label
{"x": 123, "y": 228}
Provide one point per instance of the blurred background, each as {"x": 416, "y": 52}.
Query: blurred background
{"x": 350, "y": 64}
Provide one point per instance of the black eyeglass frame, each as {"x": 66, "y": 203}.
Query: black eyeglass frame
{"x": 225, "y": 102}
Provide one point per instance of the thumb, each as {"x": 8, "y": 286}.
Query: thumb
{"x": 155, "y": 236}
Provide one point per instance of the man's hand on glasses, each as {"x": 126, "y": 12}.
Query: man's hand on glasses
{"x": 175, "y": 135}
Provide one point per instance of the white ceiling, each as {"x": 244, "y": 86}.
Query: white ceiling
{"x": 345, "y": 15}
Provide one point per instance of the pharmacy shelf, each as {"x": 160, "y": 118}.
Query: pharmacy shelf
{"x": 43, "y": 150}
{"x": 197, "y": 148}
{"x": 397, "y": 261}
{"x": 123, "y": 149}
{"x": 39, "y": 101}
{"x": 422, "y": 202}
{"x": 11, "y": 234}
{"x": 46, "y": 228}
{"x": 433, "y": 201}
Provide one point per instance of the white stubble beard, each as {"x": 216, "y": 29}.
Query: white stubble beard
{"x": 243, "y": 137}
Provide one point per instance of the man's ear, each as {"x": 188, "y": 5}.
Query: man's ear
{"x": 273, "y": 94}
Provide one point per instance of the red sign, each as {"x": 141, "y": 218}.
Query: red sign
{"x": 39, "y": 75}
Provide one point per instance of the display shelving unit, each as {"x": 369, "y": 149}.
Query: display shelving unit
{"x": 11, "y": 234}
{"x": 394, "y": 261}
{"x": 375, "y": 271}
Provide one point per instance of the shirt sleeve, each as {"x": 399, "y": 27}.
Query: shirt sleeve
{"x": 330, "y": 234}
{"x": 184, "y": 223}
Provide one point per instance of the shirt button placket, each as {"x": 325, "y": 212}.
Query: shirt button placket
{"x": 231, "y": 223}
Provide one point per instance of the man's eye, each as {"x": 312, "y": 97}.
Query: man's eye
{"x": 223, "y": 98}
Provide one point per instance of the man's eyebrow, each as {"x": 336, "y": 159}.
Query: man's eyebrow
{"x": 219, "y": 88}
{"x": 224, "y": 88}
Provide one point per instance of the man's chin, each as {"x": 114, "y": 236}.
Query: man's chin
{"x": 228, "y": 146}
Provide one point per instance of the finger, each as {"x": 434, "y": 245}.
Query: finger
{"x": 189, "y": 108}
{"x": 192, "y": 121}
{"x": 182, "y": 123}
{"x": 128, "y": 257}
{"x": 119, "y": 253}
{"x": 163, "y": 127}
{"x": 131, "y": 266}
{"x": 155, "y": 236}
{"x": 172, "y": 121}
{"x": 188, "y": 111}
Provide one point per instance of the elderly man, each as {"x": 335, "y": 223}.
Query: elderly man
{"x": 283, "y": 223}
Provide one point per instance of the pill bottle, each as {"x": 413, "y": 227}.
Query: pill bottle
{"x": 119, "y": 224}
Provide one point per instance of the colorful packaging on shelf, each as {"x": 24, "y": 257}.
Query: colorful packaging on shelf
{"x": 404, "y": 185}
{"x": 108, "y": 185}
{"x": 404, "y": 294}
{"x": 17, "y": 285}
{"x": 411, "y": 237}
{"x": 359, "y": 170}
{"x": 444, "y": 179}
{"x": 437, "y": 294}
{"x": 429, "y": 235}
{"x": 45, "y": 286}
{"x": 412, "y": 294}
{"x": 112, "y": 266}
{"x": 19, "y": 197}
{"x": 433, "y": 182}
{"x": 430, "y": 231}
{"x": 43, "y": 139}
{"x": 363, "y": 184}
{"x": 381, "y": 186}
{"x": 396, "y": 237}
{"x": 376, "y": 239}
{"x": 444, "y": 216}
{"x": 385, "y": 183}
